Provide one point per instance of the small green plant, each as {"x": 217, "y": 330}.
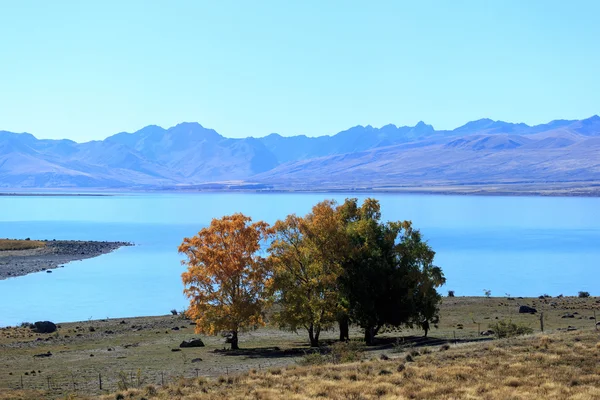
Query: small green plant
{"x": 505, "y": 329}
{"x": 401, "y": 345}
{"x": 345, "y": 352}
{"x": 583, "y": 295}
{"x": 122, "y": 382}
{"x": 313, "y": 358}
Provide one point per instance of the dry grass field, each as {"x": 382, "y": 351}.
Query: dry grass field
{"x": 14, "y": 244}
{"x": 555, "y": 366}
{"x": 138, "y": 354}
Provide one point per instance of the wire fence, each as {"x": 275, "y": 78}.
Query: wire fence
{"x": 93, "y": 382}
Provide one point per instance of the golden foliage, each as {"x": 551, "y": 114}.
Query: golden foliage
{"x": 226, "y": 274}
{"x": 305, "y": 256}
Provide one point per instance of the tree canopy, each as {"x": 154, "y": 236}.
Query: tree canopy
{"x": 305, "y": 257}
{"x": 337, "y": 263}
{"x": 388, "y": 276}
{"x": 226, "y": 275}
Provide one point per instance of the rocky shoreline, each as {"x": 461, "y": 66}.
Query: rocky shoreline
{"x": 53, "y": 255}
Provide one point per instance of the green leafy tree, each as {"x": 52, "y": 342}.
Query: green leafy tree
{"x": 388, "y": 276}
{"x": 305, "y": 259}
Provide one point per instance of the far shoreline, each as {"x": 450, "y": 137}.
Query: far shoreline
{"x": 569, "y": 189}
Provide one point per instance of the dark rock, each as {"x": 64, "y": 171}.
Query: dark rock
{"x": 571, "y": 328}
{"x": 195, "y": 360}
{"x": 568, "y": 315}
{"x": 109, "y": 332}
{"x": 192, "y": 343}
{"x": 48, "y": 271}
{"x": 527, "y": 310}
{"x": 175, "y": 349}
{"x": 42, "y": 355}
{"x": 175, "y": 328}
{"x": 44, "y": 327}
{"x": 489, "y": 332}
{"x": 92, "y": 329}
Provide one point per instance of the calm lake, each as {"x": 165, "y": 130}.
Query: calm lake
{"x": 524, "y": 246}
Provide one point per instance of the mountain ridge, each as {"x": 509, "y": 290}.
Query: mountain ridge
{"x": 190, "y": 154}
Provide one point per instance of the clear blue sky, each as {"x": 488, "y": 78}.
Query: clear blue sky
{"x": 87, "y": 69}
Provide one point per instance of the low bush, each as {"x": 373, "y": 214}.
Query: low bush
{"x": 339, "y": 353}
{"x": 450, "y": 293}
{"x": 313, "y": 359}
{"x": 504, "y": 329}
{"x": 345, "y": 352}
{"x": 583, "y": 295}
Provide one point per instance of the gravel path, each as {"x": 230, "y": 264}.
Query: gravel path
{"x": 53, "y": 255}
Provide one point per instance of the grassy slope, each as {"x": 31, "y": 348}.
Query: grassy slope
{"x": 145, "y": 344}
{"x": 556, "y": 366}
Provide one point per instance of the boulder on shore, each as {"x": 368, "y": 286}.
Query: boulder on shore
{"x": 527, "y": 310}
{"x": 44, "y": 327}
{"x": 192, "y": 343}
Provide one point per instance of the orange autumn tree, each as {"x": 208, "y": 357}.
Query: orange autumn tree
{"x": 226, "y": 275}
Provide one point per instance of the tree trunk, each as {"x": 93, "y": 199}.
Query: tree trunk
{"x": 343, "y": 322}
{"x": 234, "y": 340}
{"x": 369, "y": 335}
{"x": 313, "y": 336}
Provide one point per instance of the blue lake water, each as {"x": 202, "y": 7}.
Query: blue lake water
{"x": 524, "y": 246}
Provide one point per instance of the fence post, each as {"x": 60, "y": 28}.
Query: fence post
{"x": 595, "y": 320}
{"x": 100, "y": 380}
{"x": 162, "y": 378}
{"x": 454, "y": 333}
{"x": 48, "y": 383}
{"x": 542, "y": 321}
{"x": 21, "y": 381}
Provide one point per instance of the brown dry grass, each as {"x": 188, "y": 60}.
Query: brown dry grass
{"x": 557, "y": 366}
{"x": 80, "y": 355}
{"x": 14, "y": 244}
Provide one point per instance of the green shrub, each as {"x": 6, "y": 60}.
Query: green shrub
{"x": 584, "y": 295}
{"x": 504, "y": 329}
{"x": 313, "y": 359}
{"x": 340, "y": 353}
{"x": 346, "y": 352}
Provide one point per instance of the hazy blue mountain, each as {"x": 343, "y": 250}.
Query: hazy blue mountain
{"x": 190, "y": 154}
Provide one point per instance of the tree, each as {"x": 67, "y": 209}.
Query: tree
{"x": 226, "y": 275}
{"x": 305, "y": 256}
{"x": 388, "y": 277}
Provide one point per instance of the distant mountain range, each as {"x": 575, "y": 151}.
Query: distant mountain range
{"x": 191, "y": 156}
